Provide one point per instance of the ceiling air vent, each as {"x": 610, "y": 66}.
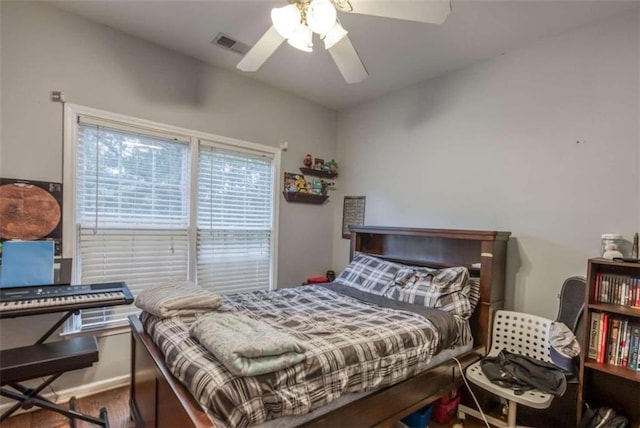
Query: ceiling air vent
{"x": 226, "y": 42}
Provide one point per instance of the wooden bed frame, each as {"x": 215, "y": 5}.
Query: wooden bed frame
{"x": 158, "y": 399}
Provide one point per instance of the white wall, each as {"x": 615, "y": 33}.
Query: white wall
{"x": 542, "y": 141}
{"x": 45, "y": 49}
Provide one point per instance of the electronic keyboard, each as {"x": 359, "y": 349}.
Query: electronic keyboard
{"x": 33, "y": 300}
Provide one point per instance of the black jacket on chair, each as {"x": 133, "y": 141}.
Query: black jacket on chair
{"x": 522, "y": 373}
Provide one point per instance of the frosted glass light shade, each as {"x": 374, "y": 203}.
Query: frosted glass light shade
{"x": 334, "y": 35}
{"x": 286, "y": 19}
{"x": 321, "y": 16}
{"x": 302, "y": 38}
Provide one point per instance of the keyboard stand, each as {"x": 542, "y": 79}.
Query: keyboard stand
{"x": 47, "y": 359}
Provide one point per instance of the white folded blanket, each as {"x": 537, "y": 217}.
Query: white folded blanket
{"x": 177, "y": 298}
{"x": 245, "y": 346}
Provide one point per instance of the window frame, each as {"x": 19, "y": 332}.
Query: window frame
{"x": 72, "y": 113}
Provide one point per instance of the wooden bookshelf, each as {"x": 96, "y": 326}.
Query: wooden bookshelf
{"x": 624, "y": 372}
{"x": 604, "y": 383}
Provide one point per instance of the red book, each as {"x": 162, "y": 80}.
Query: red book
{"x": 603, "y": 339}
{"x": 596, "y": 293}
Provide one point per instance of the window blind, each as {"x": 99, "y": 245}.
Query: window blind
{"x": 234, "y": 220}
{"x": 143, "y": 196}
{"x": 132, "y": 199}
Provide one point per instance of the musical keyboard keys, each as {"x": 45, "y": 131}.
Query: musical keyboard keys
{"x": 35, "y": 300}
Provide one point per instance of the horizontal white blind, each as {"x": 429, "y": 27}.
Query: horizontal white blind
{"x": 234, "y": 218}
{"x": 132, "y": 129}
{"x": 132, "y": 200}
{"x": 234, "y": 261}
{"x": 130, "y": 180}
{"x": 141, "y": 258}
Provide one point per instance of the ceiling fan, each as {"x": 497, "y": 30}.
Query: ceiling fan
{"x": 297, "y": 21}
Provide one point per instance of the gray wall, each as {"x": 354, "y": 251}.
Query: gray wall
{"x": 494, "y": 146}
{"x": 45, "y": 49}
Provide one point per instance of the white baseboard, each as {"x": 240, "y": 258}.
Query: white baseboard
{"x": 85, "y": 390}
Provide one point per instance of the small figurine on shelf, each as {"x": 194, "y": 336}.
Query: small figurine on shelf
{"x": 317, "y": 187}
{"x": 308, "y": 161}
{"x": 318, "y": 163}
{"x": 333, "y": 166}
{"x": 326, "y": 185}
{"x": 290, "y": 182}
{"x": 611, "y": 251}
{"x": 301, "y": 184}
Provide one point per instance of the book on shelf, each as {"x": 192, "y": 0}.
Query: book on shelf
{"x": 626, "y": 344}
{"x": 614, "y": 340}
{"x": 617, "y": 289}
{"x": 620, "y": 343}
{"x": 592, "y": 352}
{"x": 602, "y": 337}
{"x": 634, "y": 347}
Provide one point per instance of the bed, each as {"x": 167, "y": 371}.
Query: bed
{"x": 158, "y": 398}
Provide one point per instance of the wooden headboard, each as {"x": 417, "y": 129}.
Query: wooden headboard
{"x": 438, "y": 248}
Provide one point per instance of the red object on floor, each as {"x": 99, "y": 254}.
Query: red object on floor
{"x": 317, "y": 280}
{"x": 445, "y": 408}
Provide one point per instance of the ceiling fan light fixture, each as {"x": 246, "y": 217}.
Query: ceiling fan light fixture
{"x": 286, "y": 19}
{"x": 334, "y": 35}
{"x": 343, "y": 5}
{"x": 302, "y": 38}
{"x": 321, "y": 16}
{"x": 297, "y": 22}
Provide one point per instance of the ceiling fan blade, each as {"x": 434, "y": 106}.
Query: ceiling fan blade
{"x": 348, "y": 61}
{"x": 261, "y": 51}
{"x": 430, "y": 11}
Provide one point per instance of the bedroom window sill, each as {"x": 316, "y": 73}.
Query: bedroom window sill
{"x": 112, "y": 330}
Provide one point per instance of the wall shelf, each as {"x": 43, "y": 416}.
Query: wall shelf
{"x": 318, "y": 172}
{"x": 307, "y": 198}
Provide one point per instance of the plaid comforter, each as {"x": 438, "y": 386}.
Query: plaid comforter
{"x": 352, "y": 345}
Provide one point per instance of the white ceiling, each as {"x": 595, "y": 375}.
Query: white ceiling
{"x": 396, "y": 53}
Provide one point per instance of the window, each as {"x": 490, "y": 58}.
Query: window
{"x": 151, "y": 205}
{"x": 235, "y": 196}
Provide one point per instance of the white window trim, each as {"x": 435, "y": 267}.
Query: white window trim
{"x": 71, "y": 114}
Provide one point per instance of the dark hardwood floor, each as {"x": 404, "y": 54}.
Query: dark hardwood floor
{"x": 117, "y": 403}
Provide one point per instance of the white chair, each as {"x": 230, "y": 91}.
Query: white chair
{"x": 517, "y": 333}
